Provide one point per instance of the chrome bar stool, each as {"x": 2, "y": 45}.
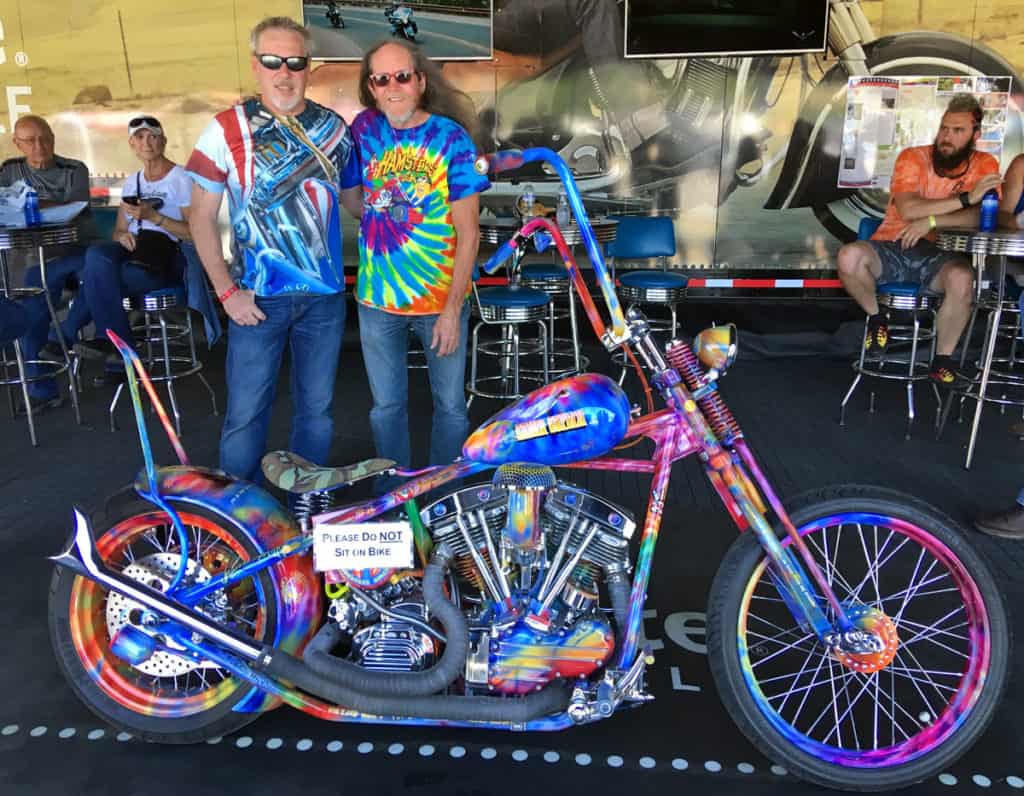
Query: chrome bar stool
{"x": 896, "y": 362}
{"x": 169, "y": 348}
{"x": 565, "y": 357}
{"x": 508, "y": 309}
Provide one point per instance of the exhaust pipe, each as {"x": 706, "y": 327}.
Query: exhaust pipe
{"x": 81, "y": 557}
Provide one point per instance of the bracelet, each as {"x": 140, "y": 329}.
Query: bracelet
{"x": 932, "y": 223}
{"x": 227, "y": 294}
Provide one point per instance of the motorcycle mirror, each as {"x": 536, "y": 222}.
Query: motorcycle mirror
{"x": 717, "y": 347}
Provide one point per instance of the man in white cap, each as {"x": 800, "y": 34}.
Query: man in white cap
{"x": 144, "y": 254}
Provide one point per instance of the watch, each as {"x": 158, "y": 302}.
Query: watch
{"x": 965, "y": 199}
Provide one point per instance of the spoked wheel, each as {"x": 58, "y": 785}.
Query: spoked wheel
{"x": 169, "y": 698}
{"x": 871, "y": 721}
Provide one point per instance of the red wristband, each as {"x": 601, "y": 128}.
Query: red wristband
{"x": 227, "y": 294}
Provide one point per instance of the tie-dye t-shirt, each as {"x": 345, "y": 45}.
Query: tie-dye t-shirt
{"x": 406, "y": 237}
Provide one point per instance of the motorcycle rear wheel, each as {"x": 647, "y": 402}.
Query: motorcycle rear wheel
{"x": 165, "y": 699}
{"x": 863, "y": 724}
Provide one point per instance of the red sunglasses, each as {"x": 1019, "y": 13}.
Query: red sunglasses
{"x": 402, "y": 76}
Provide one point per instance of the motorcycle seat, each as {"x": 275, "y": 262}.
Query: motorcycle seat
{"x": 292, "y": 473}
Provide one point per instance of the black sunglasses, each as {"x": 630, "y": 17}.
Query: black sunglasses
{"x": 381, "y": 79}
{"x": 140, "y": 120}
{"x": 295, "y": 63}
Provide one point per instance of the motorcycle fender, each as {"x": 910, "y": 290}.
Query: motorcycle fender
{"x": 268, "y": 525}
{"x": 811, "y": 168}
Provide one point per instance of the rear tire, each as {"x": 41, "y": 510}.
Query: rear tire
{"x": 958, "y": 627}
{"x": 164, "y": 699}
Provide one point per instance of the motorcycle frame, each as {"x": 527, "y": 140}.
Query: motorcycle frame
{"x": 678, "y": 431}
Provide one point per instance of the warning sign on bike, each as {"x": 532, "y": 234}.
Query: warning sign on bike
{"x": 362, "y": 545}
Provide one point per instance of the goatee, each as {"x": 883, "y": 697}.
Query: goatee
{"x": 943, "y": 164}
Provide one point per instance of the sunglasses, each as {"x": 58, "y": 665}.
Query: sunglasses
{"x": 138, "y": 121}
{"x": 295, "y": 63}
{"x": 403, "y": 76}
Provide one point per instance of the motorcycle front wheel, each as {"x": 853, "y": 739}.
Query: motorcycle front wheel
{"x": 168, "y": 698}
{"x": 863, "y": 722}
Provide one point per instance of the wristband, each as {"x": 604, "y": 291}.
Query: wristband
{"x": 931, "y": 222}
{"x": 227, "y": 294}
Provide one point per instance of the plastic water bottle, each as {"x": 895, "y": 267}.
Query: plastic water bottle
{"x": 989, "y": 211}
{"x": 562, "y": 214}
{"x": 33, "y": 218}
{"x": 527, "y": 199}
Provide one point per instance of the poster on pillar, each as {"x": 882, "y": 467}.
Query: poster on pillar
{"x": 744, "y": 153}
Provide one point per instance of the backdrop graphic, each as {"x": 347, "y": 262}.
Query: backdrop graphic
{"x": 744, "y": 153}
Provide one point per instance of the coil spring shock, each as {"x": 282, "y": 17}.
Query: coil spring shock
{"x": 309, "y": 504}
{"x": 719, "y": 416}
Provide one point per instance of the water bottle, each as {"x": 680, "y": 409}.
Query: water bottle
{"x": 525, "y": 202}
{"x": 33, "y": 218}
{"x": 562, "y": 214}
{"x": 989, "y": 211}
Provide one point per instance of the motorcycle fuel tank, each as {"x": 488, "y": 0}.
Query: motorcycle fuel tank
{"x": 568, "y": 420}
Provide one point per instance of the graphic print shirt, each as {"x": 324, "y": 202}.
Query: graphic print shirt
{"x": 283, "y": 203}
{"x": 406, "y": 236}
{"x": 913, "y": 173}
{"x": 174, "y": 190}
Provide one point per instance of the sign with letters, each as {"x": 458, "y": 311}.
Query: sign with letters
{"x": 362, "y": 545}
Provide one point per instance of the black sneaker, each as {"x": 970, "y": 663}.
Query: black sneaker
{"x": 95, "y": 349}
{"x": 877, "y": 336}
{"x": 52, "y": 352}
{"x": 39, "y": 405}
{"x": 943, "y": 371}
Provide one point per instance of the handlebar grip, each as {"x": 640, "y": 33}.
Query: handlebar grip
{"x": 499, "y": 162}
{"x": 506, "y": 250}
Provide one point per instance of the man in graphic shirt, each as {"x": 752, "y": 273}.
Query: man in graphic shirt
{"x": 418, "y": 239}
{"x": 286, "y": 164}
{"x": 937, "y": 185}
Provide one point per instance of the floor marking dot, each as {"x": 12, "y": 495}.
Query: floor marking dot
{"x": 457, "y": 751}
{"x": 981, "y": 781}
{"x": 745, "y": 768}
{"x": 615, "y": 761}
{"x": 426, "y": 750}
{"x": 713, "y": 766}
{"x": 679, "y": 764}
{"x": 779, "y": 771}
{"x": 947, "y": 779}
{"x": 552, "y": 757}
{"x": 244, "y": 742}
{"x": 335, "y": 746}
{"x": 10, "y": 729}
{"x": 396, "y": 749}
{"x": 95, "y": 735}
{"x": 1015, "y": 782}
{"x": 36, "y": 732}
{"x": 127, "y": 736}
{"x": 67, "y": 732}
{"x": 583, "y": 759}
{"x": 275, "y": 743}
{"x": 519, "y": 755}
{"x": 487, "y": 753}
{"x": 365, "y": 748}
{"x": 647, "y": 762}
{"x": 304, "y": 745}
{"x": 212, "y": 741}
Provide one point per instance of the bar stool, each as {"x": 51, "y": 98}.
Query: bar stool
{"x": 155, "y": 330}
{"x": 913, "y": 299}
{"x": 508, "y": 308}
{"x": 565, "y": 356}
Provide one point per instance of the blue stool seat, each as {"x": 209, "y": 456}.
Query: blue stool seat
{"x": 908, "y": 289}
{"x": 543, "y": 271}
{"x": 513, "y": 297}
{"x": 647, "y": 280}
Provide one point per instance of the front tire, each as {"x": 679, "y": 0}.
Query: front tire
{"x": 168, "y": 698}
{"x": 862, "y": 723}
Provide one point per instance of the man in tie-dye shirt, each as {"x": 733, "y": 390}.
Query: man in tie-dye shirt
{"x": 418, "y": 240}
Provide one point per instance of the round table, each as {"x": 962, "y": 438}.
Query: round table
{"x": 28, "y": 239}
{"x": 999, "y": 243}
{"x": 498, "y": 229}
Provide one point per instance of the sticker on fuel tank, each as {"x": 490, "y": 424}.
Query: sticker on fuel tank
{"x": 563, "y": 421}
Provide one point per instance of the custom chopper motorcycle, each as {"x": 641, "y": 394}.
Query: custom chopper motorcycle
{"x": 854, "y": 636}
{"x": 630, "y": 129}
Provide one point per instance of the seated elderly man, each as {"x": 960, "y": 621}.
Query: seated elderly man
{"x": 57, "y": 180}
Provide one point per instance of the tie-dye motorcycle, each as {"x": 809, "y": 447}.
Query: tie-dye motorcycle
{"x": 854, "y": 636}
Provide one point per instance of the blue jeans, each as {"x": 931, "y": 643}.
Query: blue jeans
{"x": 312, "y": 326}
{"x": 13, "y": 320}
{"x": 385, "y": 341}
{"x": 58, "y": 272}
{"x": 107, "y": 277}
